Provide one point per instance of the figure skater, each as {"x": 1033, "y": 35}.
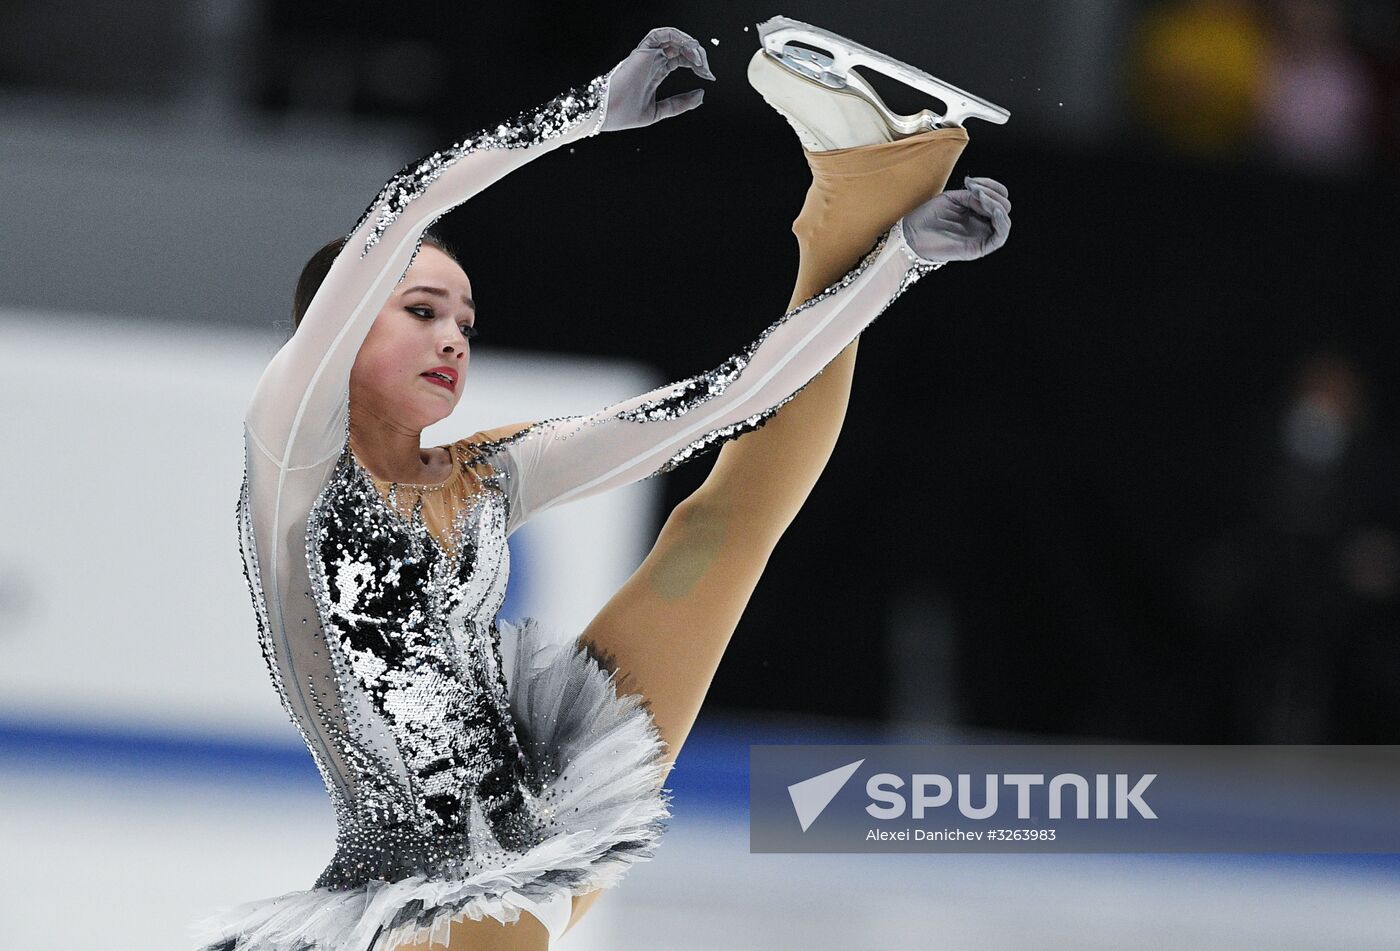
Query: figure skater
{"x": 464, "y": 796}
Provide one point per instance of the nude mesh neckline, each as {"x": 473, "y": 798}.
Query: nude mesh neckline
{"x": 452, "y": 458}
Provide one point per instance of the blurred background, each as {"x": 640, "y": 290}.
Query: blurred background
{"x": 1132, "y": 478}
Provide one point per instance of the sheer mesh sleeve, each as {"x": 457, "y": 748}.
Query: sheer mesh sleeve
{"x": 296, "y": 425}
{"x": 573, "y": 457}
{"x": 299, "y": 410}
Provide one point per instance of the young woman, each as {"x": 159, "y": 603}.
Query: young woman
{"x": 464, "y": 797}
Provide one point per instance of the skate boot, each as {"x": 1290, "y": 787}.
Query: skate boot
{"x": 831, "y": 106}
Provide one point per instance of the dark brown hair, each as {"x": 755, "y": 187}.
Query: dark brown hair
{"x": 316, "y": 269}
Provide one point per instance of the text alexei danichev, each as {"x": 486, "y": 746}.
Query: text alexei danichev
{"x": 960, "y": 835}
{"x": 917, "y": 835}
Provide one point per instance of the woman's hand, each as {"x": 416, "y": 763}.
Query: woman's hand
{"x": 633, "y": 83}
{"x": 961, "y": 225}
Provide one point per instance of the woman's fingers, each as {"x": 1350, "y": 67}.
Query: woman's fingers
{"x": 699, "y": 61}
{"x": 695, "y": 52}
{"x": 678, "y": 47}
{"x": 991, "y": 188}
{"x": 693, "y": 58}
{"x": 1001, "y": 229}
{"x": 974, "y": 217}
{"x": 989, "y": 183}
{"x": 665, "y": 36}
{"x": 988, "y": 197}
{"x": 681, "y": 102}
{"x": 963, "y": 201}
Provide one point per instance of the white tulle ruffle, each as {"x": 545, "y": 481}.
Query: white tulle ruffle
{"x": 606, "y": 756}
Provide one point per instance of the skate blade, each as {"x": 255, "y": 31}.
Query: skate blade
{"x": 835, "y": 72}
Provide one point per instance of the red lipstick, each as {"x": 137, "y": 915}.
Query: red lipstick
{"x": 445, "y": 377}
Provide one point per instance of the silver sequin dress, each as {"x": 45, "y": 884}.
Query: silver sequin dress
{"x": 455, "y": 787}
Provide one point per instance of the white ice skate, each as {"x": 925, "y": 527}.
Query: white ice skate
{"x": 831, "y": 106}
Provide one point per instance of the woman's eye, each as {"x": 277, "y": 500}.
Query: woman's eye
{"x": 426, "y": 313}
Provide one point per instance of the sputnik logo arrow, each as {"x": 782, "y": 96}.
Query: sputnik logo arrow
{"x": 811, "y": 796}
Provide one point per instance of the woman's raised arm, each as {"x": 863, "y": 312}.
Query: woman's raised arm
{"x": 299, "y": 412}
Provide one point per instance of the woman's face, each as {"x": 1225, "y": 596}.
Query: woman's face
{"x": 422, "y": 327}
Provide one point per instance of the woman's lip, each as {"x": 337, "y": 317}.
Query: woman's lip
{"x": 442, "y": 383}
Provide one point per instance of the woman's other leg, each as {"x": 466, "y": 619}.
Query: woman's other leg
{"x": 488, "y": 934}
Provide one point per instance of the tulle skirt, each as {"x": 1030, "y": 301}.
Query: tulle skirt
{"x": 607, "y": 762}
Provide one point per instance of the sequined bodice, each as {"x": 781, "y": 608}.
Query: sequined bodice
{"x": 410, "y": 631}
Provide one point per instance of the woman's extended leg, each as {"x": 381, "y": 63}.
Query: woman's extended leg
{"x": 666, "y": 629}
